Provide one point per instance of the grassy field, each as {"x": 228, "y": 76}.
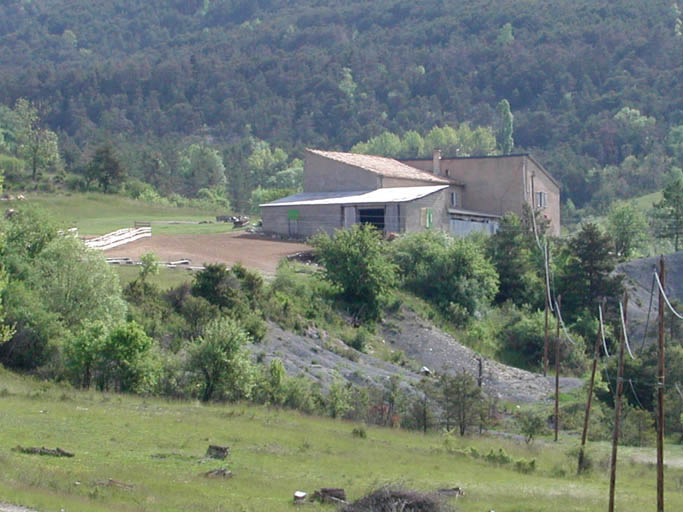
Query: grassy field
{"x": 97, "y": 214}
{"x": 165, "y": 279}
{"x": 158, "y": 447}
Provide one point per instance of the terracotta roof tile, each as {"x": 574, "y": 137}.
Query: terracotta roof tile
{"x": 383, "y": 166}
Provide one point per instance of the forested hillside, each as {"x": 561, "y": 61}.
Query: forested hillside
{"x": 594, "y": 85}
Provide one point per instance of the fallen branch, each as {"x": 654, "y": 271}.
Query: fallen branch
{"x": 329, "y": 495}
{"x": 57, "y": 452}
{"x": 114, "y": 483}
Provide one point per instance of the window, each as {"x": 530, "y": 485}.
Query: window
{"x": 541, "y": 199}
{"x": 454, "y": 199}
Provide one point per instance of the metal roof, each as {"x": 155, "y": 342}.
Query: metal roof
{"x": 382, "y": 166}
{"x": 378, "y": 196}
{"x": 471, "y": 213}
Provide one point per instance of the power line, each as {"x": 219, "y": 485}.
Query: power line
{"x": 546, "y": 266}
{"x": 666, "y": 299}
{"x": 649, "y": 310}
{"x": 635, "y": 394}
{"x": 623, "y": 327}
{"x": 602, "y": 331}
{"x": 564, "y": 328}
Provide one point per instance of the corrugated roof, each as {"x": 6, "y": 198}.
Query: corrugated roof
{"x": 472, "y": 213}
{"x": 383, "y": 166}
{"x": 378, "y": 196}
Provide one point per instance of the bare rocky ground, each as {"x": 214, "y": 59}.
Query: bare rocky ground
{"x": 6, "y": 507}
{"x": 316, "y": 355}
{"x": 639, "y": 284}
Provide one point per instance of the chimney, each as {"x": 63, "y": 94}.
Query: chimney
{"x": 436, "y": 168}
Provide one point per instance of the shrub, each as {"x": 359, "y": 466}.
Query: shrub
{"x": 499, "y": 457}
{"x": 525, "y": 466}
{"x": 221, "y": 362}
{"x": 453, "y": 273}
{"x": 531, "y": 424}
{"x": 359, "y": 432}
{"x": 355, "y": 262}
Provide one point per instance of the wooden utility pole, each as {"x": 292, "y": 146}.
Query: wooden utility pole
{"x": 547, "y": 307}
{"x": 660, "y": 394}
{"x": 589, "y": 401}
{"x": 617, "y": 415}
{"x": 557, "y": 366}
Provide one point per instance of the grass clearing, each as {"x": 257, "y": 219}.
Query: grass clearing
{"x": 96, "y": 214}
{"x": 158, "y": 446}
{"x": 165, "y": 279}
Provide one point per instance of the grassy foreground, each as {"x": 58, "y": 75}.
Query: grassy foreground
{"x": 158, "y": 447}
{"x": 97, "y": 214}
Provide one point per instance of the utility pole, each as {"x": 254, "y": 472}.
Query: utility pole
{"x": 589, "y": 401}
{"x": 617, "y": 415}
{"x": 660, "y": 394}
{"x": 557, "y": 366}
{"x": 480, "y": 377}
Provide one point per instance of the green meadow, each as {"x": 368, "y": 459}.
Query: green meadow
{"x": 165, "y": 279}
{"x": 97, "y": 214}
{"x": 158, "y": 448}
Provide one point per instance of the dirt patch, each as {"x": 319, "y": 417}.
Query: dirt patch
{"x": 254, "y": 251}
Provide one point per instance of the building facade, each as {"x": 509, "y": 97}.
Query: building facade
{"x": 459, "y": 195}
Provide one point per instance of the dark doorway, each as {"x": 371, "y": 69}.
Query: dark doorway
{"x": 374, "y": 216}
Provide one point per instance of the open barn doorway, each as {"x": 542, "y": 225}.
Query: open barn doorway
{"x": 374, "y": 216}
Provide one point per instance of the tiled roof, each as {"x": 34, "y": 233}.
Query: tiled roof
{"x": 378, "y": 196}
{"x": 383, "y": 166}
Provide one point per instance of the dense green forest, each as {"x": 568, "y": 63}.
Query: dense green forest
{"x": 594, "y": 86}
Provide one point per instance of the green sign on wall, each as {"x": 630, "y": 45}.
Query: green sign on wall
{"x": 292, "y": 214}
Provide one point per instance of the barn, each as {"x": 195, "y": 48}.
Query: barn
{"x": 342, "y": 189}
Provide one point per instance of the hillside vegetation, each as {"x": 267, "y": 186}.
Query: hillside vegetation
{"x": 593, "y": 85}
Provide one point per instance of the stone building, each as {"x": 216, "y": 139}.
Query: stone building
{"x": 459, "y": 195}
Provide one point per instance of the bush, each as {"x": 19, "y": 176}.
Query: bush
{"x": 359, "y": 432}
{"x": 221, "y": 362}
{"x": 531, "y": 424}
{"x": 499, "y": 457}
{"x": 525, "y": 466}
{"x": 355, "y": 262}
{"x": 453, "y": 273}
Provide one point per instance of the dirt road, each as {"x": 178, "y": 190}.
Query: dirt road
{"x": 254, "y": 251}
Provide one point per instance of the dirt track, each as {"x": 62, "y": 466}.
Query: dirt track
{"x": 254, "y": 251}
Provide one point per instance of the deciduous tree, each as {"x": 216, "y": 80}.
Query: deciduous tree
{"x": 221, "y": 361}
{"x": 105, "y": 168}
{"x": 37, "y": 146}
{"x": 628, "y": 228}
{"x": 668, "y": 213}
{"x": 355, "y": 261}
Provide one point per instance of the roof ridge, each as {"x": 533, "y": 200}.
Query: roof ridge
{"x": 382, "y": 165}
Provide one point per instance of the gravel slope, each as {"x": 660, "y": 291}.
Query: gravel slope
{"x": 425, "y": 345}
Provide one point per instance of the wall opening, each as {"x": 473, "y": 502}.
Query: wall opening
{"x": 374, "y": 216}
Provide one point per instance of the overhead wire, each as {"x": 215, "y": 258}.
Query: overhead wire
{"x": 623, "y": 329}
{"x": 679, "y": 390}
{"x": 649, "y": 311}
{"x": 602, "y": 331}
{"x": 546, "y": 265}
{"x": 633, "y": 390}
{"x": 564, "y": 328}
{"x": 666, "y": 299}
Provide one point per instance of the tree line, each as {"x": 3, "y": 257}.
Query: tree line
{"x": 592, "y": 86}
